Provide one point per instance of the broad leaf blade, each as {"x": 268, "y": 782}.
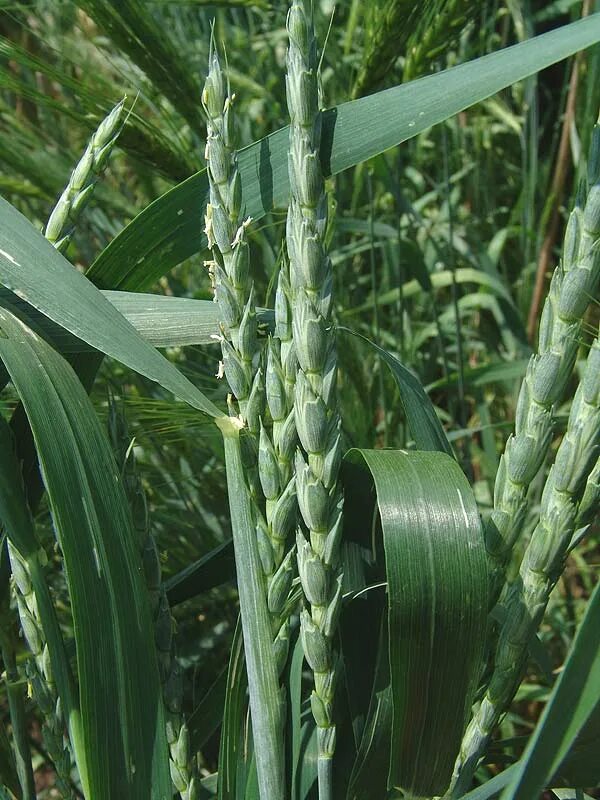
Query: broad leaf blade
{"x": 168, "y": 231}
{"x": 122, "y": 719}
{"x": 437, "y": 594}
{"x": 36, "y": 272}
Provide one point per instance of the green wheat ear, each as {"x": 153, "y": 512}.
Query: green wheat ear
{"x": 84, "y": 177}
{"x": 571, "y": 479}
{"x": 573, "y": 285}
{"x": 317, "y": 419}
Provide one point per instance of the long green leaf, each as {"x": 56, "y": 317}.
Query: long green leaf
{"x": 162, "y": 320}
{"x": 122, "y": 720}
{"x": 575, "y": 696}
{"x": 18, "y": 524}
{"x": 168, "y": 231}
{"x": 437, "y": 608}
{"x": 35, "y": 271}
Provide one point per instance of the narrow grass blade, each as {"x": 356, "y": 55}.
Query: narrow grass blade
{"x": 575, "y": 696}
{"x": 231, "y": 744}
{"x": 266, "y": 707}
{"x": 421, "y": 418}
{"x": 34, "y": 270}
{"x": 213, "y": 569}
{"x": 122, "y": 720}
{"x": 167, "y": 232}
{"x": 437, "y": 608}
{"x": 494, "y": 786}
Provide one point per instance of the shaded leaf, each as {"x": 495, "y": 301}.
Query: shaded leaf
{"x": 437, "y": 608}
{"x": 123, "y": 751}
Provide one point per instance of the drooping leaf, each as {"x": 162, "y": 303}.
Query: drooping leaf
{"x": 421, "y": 418}
{"x": 168, "y": 231}
{"x": 437, "y": 608}
{"x": 123, "y": 752}
{"x": 35, "y": 271}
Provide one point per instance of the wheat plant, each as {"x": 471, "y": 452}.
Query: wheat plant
{"x": 284, "y": 584}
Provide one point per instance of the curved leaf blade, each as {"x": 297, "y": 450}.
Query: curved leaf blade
{"x": 122, "y": 718}
{"x": 437, "y": 608}
{"x": 18, "y": 524}
{"x": 35, "y": 271}
{"x": 421, "y": 418}
{"x": 168, "y": 231}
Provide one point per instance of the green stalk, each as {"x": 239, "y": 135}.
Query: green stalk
{"x": 317, "y": 419}
{"x": 542, "y": 565}
{"x": 266, "y": 701}
{"x": 571, "y": 288}
{"x": 16, "y": 704}
{"x": 84, "y": 177}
